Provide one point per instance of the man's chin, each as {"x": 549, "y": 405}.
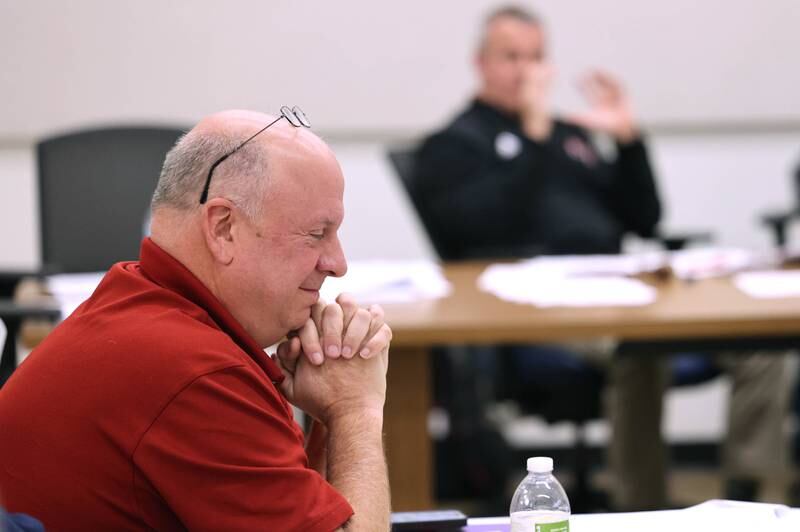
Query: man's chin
{"x": 301, "y": 318}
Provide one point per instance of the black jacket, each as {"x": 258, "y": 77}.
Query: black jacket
{"x": 484, "y": 190}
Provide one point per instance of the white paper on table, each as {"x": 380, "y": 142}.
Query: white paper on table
{"x": 661, "y": 521}
{"x": 544, "y": 283}
{"x": 704, "y": 263}
{"x": 770, "y": 284}
{"x": 595, "y": 265}
{"x": 730, "y": 516}
{"x": 741, "y": 516}
{"x": 72, "y": 289}
{"x": 694, "y": 263}
{"x": 693, "y": 519}
{"x": 389, "y": 281}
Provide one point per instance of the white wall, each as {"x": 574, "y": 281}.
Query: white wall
{"x": 19, "y": 226}
{"x": 358, "y": 65}
{"x": 723, "y": 182}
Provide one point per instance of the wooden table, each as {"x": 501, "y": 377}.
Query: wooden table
{"x": 710, "y": 314}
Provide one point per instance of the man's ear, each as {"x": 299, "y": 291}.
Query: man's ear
{"x": 479, "y": 63}
{"x": 218, "y": 221}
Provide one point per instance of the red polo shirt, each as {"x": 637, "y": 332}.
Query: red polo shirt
{"x": 150, "y": 407}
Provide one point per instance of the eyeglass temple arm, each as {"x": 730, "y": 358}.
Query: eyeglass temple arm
{"x": 204, "y": 196}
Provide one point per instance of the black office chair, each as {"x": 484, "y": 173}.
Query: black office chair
{"x": 404, "y": 163}
{"x": 563, "y": 387}
{"x": 94, "y": 188}
{"x": 779, "y": 221}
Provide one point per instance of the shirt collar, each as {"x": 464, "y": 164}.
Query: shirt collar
{"x": 507, "y": 118}
{"x": 169, "y": 273}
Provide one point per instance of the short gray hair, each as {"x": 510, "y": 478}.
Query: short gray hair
{"x": 241, "y": 178}
{"x": 515, "y": 12}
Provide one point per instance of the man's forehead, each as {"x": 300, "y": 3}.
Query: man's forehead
{"x": 303, "y": 166}
{"x": 505, "y": 29}
{"x": 308, "y": 175}
{"x": 307, "y": 209}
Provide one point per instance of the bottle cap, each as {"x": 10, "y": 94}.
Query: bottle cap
{"x": 540, "y": 464}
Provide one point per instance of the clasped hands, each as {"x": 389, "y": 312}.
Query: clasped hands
{"x": 336, "y": 363}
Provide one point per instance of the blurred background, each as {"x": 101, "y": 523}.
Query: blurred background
{"x": 716, "y": 86}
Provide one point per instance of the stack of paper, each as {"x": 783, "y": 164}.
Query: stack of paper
{"x": 769, "y": 284}
{"x": 704, "y": 263}
{"x": 569, "y": 282}
{"x": 384, "y": 281}
{"x": 598, "y": 265}
{"x": 730, "y": 516}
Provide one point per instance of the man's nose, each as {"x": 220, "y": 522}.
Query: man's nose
{"x": 332, "y": 261}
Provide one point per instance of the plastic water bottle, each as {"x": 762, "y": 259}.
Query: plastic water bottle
{"x": 540, "y": 503}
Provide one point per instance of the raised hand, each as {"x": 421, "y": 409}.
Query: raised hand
{"x": 610, "y": 110}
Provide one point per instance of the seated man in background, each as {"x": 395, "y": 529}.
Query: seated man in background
{"x": 154, "y": 406}
{"x": 508, "y": 179}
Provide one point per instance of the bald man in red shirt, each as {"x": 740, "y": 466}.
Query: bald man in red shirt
{"x": 154, "y": 405}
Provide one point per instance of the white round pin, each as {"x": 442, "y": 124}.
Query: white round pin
{"x": 507, "y": 145}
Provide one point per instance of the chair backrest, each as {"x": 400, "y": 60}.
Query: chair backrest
{"x": 94, "y": 189}
{"x": 404, "y": 163}
{"x": 796, "y": 187}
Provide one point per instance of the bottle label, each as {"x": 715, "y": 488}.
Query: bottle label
{"x": 531, "y": 525}
{"x": 539, "y": 521}
{"x": 561, "y": 526}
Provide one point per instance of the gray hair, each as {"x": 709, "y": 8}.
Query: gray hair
{"x": 515, "y": 12}
{"x": 241, "y": 178}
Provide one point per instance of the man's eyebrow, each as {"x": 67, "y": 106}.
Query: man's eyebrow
{"x": 329, "y": 221}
